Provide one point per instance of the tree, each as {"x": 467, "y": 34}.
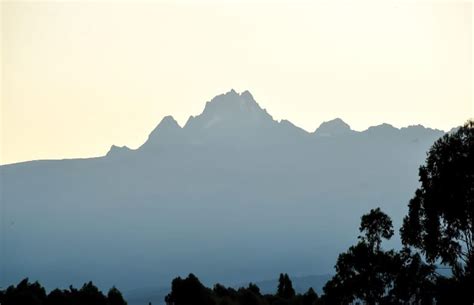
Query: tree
{"x": 250, "y": 295}
{"x": 115, "y": 297}
{"x": 58, "y": 297}
{"x": 365, "y": 272}
{"x": 285, "y": 287}
{"x": 310, "y": 297}
{"x": 415, "y": 280}
{"x": 254, "y": 288}
{"x": 24, "y": 293}
{"x": 91, "y": 295}
{"x": 221, "y": 291}
{"x": 440, "y": 221}
{"x": 376, "y": 225}
{"x": 189, "y": 291}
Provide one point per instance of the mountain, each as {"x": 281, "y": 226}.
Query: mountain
{"x": 228, "y": 111}
{"x": 336, "y": 127}
{"x": 231, "y": 196}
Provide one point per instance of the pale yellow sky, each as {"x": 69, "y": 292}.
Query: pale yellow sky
{"x": 78, "y": 77}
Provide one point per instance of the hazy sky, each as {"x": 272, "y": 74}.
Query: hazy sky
{"x": 78, "y": 77}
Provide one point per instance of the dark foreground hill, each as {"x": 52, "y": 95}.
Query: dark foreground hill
{"x": 232, "y": 196}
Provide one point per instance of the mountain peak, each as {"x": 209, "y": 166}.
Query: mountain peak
{"x": 333, "y": 127}
{"x": 118, "y": 150}
{"x": 383, "y": 128}
{"x": 232, "y": 102}
{"x": 167, "y": 129}
{"x": 230, "y": 108}
{"x": 168, "y": 122}
{"x": 247, "y": 95}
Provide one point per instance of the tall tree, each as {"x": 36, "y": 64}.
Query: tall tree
{"x": 440, "y": 221}
{"x": 365, "y": 272}
{"x": 285, "y": 287}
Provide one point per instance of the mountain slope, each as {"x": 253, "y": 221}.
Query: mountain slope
{"x": 232, "y": 196}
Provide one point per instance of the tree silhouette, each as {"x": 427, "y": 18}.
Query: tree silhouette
{"x": 440, "y": 221}
{"x": 285, "y": 287}
{"x": 59, "y": 297}
{"x": 415, "y": 280}
{"x": 24, "y": 293}
{"x": 376, "y": 225}
{"x": 365, "y": 272}
{"x": 310, "y": 297}
{"x": 91, "y": 295}
{"x": 189, "y": 291}
{"x": 115, "y": 297}
{"x": 250, "y": 295}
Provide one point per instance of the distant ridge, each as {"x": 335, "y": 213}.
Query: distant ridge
{"x": 334, "y": 127}
{"x": 234, "y": 114}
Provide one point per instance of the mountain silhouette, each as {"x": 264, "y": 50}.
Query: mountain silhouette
{"x": 230, "y": 110}
{"x": 233, "y": 195}
{"x": 334, "y": 127}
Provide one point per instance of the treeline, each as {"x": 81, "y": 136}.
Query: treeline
{"x": 191, "y": 291}
{"x": 26, "y": 293}
{"x": 437, "y": 231}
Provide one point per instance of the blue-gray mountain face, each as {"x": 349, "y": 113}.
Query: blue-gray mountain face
{"x": 233, "y": 196}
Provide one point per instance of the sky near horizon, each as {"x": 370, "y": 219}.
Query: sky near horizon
{"x": 77, "y": 77}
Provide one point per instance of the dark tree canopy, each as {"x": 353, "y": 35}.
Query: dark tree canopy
{"x": 440, "y": 218}
{"x": 363, "y": 272}
{"x": 90, "y": 294}
{"x": 189, "y": 291}
{"x": 368, "y": 274}
{"x": 115, "y": 297}
{"x": 376, "y": 225}
{"x": 310, "y": 297}
{"x": 26, "y": 293}
{"x": 285, "y": 287}
{"x": 414, "y": 281}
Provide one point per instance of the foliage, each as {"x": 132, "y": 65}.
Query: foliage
{"x": 440, "y": 221}
{"x": 285, "y": 287}
{"x": 365, "y": 271}
{"x": 115, "y": 297}
{"x": 26, "y": 293}
{"x": 189, "y": 291}
{"x": 375, "y": 225}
